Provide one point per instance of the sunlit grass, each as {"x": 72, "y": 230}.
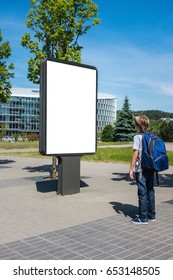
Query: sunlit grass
{"x": 25, "y": 154}
{"x": 35, "y": 144}
{"x": 112, "y": 143}
{"x": 110, "y": 155}
{"x": 103, "y": 155}
{"x": 18, "y": 145}
{"x": 170, "y": 156}
{"x": 114, "y": 155}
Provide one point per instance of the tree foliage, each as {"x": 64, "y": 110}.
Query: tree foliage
{"x": 124, "y": 126}
{"x": 154, "y": 114}
{"x": 3, "y": 129}
{"x": 166, "y": 131}
{"x": 5, "y": 70}
{"x": 56, "y": 26}
{"x": 107, "y": 133}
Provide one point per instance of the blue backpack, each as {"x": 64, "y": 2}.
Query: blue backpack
{"x": 154, "y": 155}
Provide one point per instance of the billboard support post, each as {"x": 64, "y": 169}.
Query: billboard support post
{"x": 68, "y": 175}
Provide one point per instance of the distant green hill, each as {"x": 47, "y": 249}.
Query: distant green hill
{"x": 154, "y": 114}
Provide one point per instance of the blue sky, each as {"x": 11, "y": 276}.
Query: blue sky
{"x": 132, "y": 49}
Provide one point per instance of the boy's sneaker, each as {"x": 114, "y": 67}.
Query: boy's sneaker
{"x": 152, "y": 219}
{"x": 139, "y": 221}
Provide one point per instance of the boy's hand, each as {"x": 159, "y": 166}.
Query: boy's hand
{"x": 131, "y": 174}
{"x": 133, "y": 161}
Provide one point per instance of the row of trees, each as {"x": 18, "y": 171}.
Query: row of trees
{"x": 124, "y": 130}
{"x": 24, "y": 135}
{"x": 155, "y": 114}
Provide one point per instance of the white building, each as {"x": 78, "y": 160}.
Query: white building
{"x": 21, "y": 112}
{"x": 106, "y": 110}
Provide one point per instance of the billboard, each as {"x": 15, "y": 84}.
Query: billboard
{"x": 68, "y": 101}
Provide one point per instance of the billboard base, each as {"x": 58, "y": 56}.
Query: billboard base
{"x": 68, "y": 175}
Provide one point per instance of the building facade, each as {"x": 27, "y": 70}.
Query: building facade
{"x": 21, "y": 113}
{"x": 106, "y": 110}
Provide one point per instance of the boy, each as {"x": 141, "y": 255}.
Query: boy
{"x": 144, "y": 179}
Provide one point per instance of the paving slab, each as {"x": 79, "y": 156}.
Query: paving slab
{"x": 36, "y": 223}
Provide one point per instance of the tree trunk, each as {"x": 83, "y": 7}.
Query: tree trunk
{"x": 54, "y": 171}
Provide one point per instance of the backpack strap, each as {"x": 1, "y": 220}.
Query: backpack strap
{"x": 140, "y": 173}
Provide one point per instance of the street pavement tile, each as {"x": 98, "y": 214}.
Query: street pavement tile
{"x": 108, "y": 238}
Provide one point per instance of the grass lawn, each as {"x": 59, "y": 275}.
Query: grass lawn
{"x": 114, "y": 155}
{"x": 112, "y": 143}
{"x": 18, "y": 145}
{"x": 110, "y": 155}
{"x": 102, "y": 155}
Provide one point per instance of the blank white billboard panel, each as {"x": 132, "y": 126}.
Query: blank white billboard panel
{"x": 68, "y": 93}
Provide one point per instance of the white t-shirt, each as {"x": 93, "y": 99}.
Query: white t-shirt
{"x": 137, "y": 145}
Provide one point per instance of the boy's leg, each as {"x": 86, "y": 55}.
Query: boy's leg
{"x": 151, "y": 197}
{"x": 142, "y": 198}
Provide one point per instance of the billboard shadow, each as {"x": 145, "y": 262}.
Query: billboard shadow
{"x": 46, "y": 186}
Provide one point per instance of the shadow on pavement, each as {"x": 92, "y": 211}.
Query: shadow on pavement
{"x": 169, "y": 201}
{"x": 52, "y": 185}
{"x": 42, "y": 168}
{"x": 6, "y": 161}
{"x": 47, "y": 186}
{"x": 165, "y": 180}
{"x": 127, "y": 210}
{"x": 122, "y": 177}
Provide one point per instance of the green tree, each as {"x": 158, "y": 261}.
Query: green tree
{"x": 32, "y": 136}
{"x": 3, "y": 129}
{"x": 166, "y": 131}
{"x": 124, "y": 126}
{"x": 5, "y": 70}
{"x": 24, "y": 136}
{"x": 107, "y": 133}
{"x": 16, "y": 137}
{"x": 155, "y": 126}
{"x": 57, "y": 26}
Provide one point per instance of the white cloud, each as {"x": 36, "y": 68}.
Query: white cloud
{"x": 145, "y": 77}
{"x": 168, "y": 90}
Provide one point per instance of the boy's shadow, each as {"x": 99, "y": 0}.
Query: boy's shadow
{"x": 127, "y": 210}
{"x": 122, "y": 177}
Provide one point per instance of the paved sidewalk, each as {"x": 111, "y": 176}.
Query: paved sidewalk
{"x": 36, "y": 223}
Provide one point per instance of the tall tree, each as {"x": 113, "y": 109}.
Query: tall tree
{"x": 56, "y": 26}
{"x": 124, "y": 126}
{"x": 5, "y": 70}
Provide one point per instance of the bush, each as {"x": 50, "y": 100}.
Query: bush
{"x": 32, "y": 137}
{"x": 166, "y": 131}
{"x": 107, "y": 133}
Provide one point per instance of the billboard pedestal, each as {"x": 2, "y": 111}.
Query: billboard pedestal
{"x": 68, "y": 175}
